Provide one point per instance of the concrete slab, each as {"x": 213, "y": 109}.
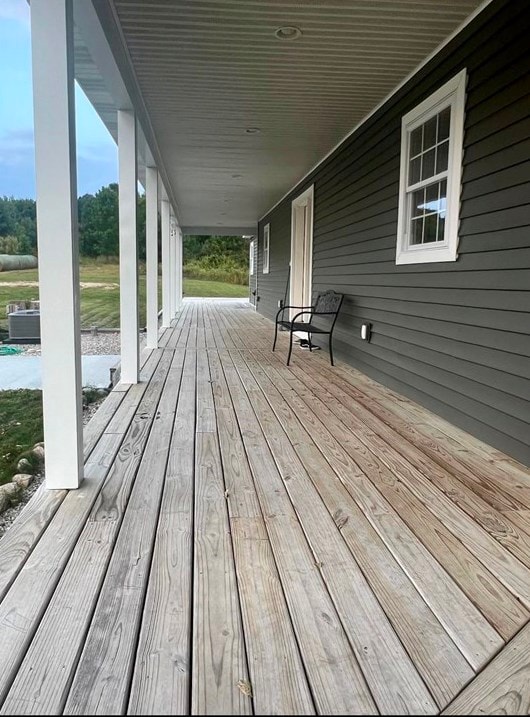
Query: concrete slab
{"x": 25, "y": 371}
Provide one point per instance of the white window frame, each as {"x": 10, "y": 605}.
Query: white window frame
{"x": 452, "y": 94}
{"x": 266, "y": 247}
{"x": 251, "y": 256}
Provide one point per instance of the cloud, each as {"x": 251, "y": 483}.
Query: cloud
{"x": 17, "y": 10}
{"x": 16, "y": 147}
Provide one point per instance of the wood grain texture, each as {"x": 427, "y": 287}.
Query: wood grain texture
{"x": 23, "y": 606}
{"x": 441, "y": 665}
{"x": 503, "y": 688}
{"x": 367, "y": 479}
{"x": 279, "y": 684}
{"x": 101, "y": 681}
{"x": 219, "y": 660}
{"x": 162, "y": 673}
{"x": 320, "y": 634}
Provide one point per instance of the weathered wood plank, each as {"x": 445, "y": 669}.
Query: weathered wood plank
{"x": 51, "y": 659}
{"x": 101, "y": 681}
{"x": 24, "y": 605}
{"x": 18, "y": 542}
{"x": 364, "y": 475}
{"x": 322, "y": 640}
{"x": 503, "y": 688}
{"x": 161, "y": 677}
{"x": 219, "y": 660}
{"x": 279, "y": 684}
{"x": 442, "y": 666}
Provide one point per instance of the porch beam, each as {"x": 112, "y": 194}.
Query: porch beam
{"x": 179, "y": 279}
{"x": 56, "y": 184}
{"x": 128, "y": 176}
{"x": 173, "y": 266}
{"x": 166, "y": 293}
{"x": 151, "y": 230}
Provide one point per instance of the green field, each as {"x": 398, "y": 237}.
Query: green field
{"x": 100, "y": 306}
{"x": 20, "y": 427}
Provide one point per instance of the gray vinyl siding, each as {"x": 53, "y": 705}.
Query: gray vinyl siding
{"x": 453, "y": 336}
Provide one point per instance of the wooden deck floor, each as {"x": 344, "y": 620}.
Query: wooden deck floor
{"x": 252, "y": 538}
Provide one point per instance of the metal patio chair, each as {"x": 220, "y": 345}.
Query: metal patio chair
{"x": 327, "y": 304}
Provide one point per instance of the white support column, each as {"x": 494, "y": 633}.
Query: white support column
{"x": 151, "y": 259}
{"x": 178, "y": 291}
{"x": 55, "y": 165}
{"x": 129, "y": 320}
{"x": 172, "y": 264}
{"x": 166, "y": 269}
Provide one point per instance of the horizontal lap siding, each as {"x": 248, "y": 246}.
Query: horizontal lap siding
{"x": 453, "y": 336}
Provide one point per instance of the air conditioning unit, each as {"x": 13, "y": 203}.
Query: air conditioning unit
{"x": 24, "y": 326}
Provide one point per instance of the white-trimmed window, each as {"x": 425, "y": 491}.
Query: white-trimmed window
{"x": 266, "y": 247}
{"x": 431, "y": 170}
{"x": 251, "y": 257}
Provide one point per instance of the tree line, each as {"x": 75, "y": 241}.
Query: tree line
{"x": 214, "y": 257}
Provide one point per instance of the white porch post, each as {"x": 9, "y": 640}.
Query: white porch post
{"x": 129, "y": 321}
{"x": 178, "y": 291}
{"x": 55, "y": 165}
{"x": 172, "y": 264}
{"x": 166, "y": 314}
{"x": 151, "y": 230}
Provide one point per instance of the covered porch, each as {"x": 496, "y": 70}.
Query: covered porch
{"x": 252, "y": 538}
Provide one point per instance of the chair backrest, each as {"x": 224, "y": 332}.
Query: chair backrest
{"x": 328, "y": 302}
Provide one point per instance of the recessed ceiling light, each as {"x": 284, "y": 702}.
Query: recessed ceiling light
{"x": 252, "y": 130}
{"x": 288, "y": 32}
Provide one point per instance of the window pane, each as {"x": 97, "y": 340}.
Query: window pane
{"x": 431, "y": 226}
{"x": 431, "y": 197}
{"x": 443, "y": 198}
{"x": 441, "y": 227}
{"x": 416, "y": 231}
{"x": 415, "y": 141}
{"x": 444, "y": 120}
{"x": 442, "y": 154}
{"x": 415, "y": 171}
{"x": 428, "y": 164}
{"x": 418, "y": 203}
{"x": 429, "y": 133}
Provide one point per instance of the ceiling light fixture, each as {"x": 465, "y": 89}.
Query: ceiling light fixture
{"x": 252, "y": 130}
{"x": 237, "y": 176}
{"x": 288, "y": 32}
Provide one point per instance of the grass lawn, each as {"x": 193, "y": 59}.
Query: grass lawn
{"x": 20, "y": 427}
{"x": 101, "y": 306}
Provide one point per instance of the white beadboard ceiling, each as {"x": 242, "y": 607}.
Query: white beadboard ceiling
{"x": 207, "y": 70}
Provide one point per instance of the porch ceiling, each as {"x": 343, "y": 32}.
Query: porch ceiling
{"x": 208, "y": 70}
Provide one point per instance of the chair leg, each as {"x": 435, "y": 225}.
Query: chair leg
{"x": 331, "y": 350}
{"x": 309, "y": 339}
{"x": 290, "y": 347}
{"x": 275, "y": 336}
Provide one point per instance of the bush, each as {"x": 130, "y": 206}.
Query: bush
{"x": 216, "y": 268}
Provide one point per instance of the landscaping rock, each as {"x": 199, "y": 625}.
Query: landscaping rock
{"x": 24, "y": 466}
{"x": 23, "y": 480}
{"x": 11, "y": 491}
{"x": 4, "y": 501}
{"x": 38, "y": 452}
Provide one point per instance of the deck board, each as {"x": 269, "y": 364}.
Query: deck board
{"x": 256, "y": 538}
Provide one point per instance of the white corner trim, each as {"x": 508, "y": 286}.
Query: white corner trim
{"x": 414, "y": 72}
{"x": 266, "y": 248}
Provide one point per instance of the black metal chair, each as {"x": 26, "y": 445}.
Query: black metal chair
{"x": 328, "y": 304}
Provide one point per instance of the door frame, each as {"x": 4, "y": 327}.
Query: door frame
{"x": 305, "y": 199}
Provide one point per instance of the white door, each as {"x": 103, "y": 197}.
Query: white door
{"x": 301, "y": 251}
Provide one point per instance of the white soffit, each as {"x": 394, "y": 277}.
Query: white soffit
{"x": 208, "y": 70}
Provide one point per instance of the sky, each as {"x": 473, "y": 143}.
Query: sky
{"x": 97, "y": 158}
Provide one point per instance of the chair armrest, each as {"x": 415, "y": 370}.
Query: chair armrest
{"x": 301, "y": 313}
{"x": 309, "y": 308}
